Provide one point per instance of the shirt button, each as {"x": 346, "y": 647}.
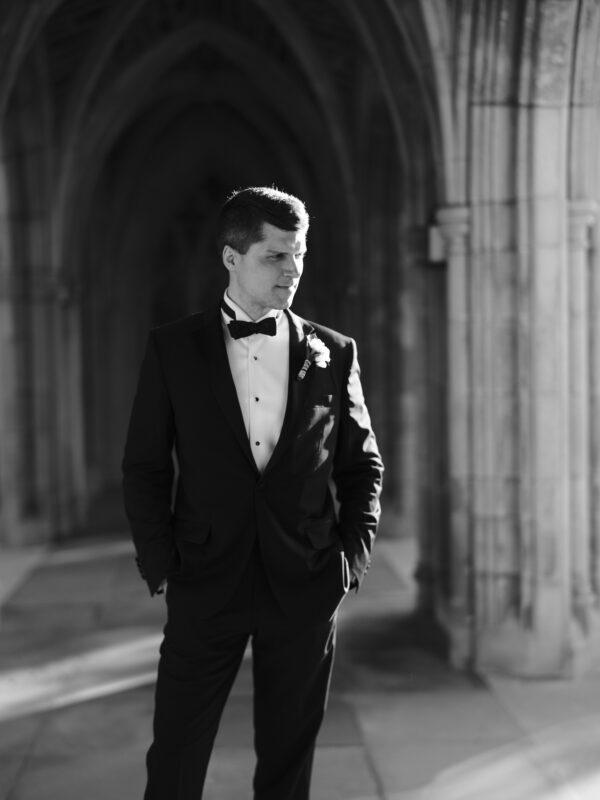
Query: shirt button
{"x": 255, "y": 358}
{"x": 256, "y": 398}
{"x": 257, "y": 444}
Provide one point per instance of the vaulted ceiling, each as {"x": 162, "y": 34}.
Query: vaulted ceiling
{"x": 134, "y": 119}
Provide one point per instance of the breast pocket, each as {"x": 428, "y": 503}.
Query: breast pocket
{"x": 318, "y": 409}
{"x": 317, "y": 416}
{"x": 313, "y": 440}
{"x": 321, "y": 400}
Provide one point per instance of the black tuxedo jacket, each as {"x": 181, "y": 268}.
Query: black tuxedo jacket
{"x": 196, "y": 501}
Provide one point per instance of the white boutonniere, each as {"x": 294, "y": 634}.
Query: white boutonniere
{"x": 317, "y": 353}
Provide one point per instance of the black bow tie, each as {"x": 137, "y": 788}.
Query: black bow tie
{"x": 239, "y": 328}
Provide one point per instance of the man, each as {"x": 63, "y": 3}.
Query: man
{"x": 263, "y": 413}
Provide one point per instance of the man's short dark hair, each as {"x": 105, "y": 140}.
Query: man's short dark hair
{"x": 241, "y": 219}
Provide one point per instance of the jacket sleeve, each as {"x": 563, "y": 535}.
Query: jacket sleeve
{"x": 357, "y": 473}
{"x": 148, "y": 472}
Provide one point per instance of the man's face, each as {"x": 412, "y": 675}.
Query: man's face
{"x": 268, "y": 275}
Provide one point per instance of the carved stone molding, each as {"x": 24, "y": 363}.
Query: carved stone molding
{"x": 582, "y": 214}
{"x": 454, "y": 225}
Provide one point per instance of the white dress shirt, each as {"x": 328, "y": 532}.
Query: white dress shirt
{"x": 260, "y": 368}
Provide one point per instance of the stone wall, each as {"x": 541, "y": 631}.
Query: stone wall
{"x": 403, "y": 125}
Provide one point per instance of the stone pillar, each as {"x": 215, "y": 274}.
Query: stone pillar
{"x": 454, "y": 223}
{"x": 409, "y": 388}
{"x": 581, "y": 217}
{"x": 41, "y": 431}
{"x": 9, "y": 431}
{"x": 423, "y": 413}
{"x": 26, "y": 475}
{"x": 594, "y": 325}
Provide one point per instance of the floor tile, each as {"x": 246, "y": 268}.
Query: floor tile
{"x": 340, "y": 726}
{"x": 343, "y": 772}
{"x": 458, "y": 771}
{"x": 17, "y": 735}
{"x": 11, "y": 767}
{"x": 436, "y": 716}
{"x": 401, "y": 725}
{"x": 108, "y": 725}
{"x": 93, "y": 776}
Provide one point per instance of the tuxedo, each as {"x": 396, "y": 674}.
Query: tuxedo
{"x": 295, "y": 536}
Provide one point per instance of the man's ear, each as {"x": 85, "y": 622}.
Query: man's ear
{"x": 230, "y": 257}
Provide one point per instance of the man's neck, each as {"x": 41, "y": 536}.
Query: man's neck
{"x": 253, "y": 314}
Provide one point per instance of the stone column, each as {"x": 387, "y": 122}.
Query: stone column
{"x": 25, "y": 341}
{"x": 408, "y": 388}
{"x": 540, "y": 643}
{"x": 454, "y": 224}
{"x": 581, "y": 217}
{"x": 9, "y": 429}
{"x": 594, "y": 325}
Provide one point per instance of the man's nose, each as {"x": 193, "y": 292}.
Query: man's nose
{"x": 292, "y": 268}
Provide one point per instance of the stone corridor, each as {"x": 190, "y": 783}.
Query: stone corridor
{"x": 78, "y": 650}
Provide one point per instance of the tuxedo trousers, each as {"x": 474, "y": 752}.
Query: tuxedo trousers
{"x": 199, "y": 660}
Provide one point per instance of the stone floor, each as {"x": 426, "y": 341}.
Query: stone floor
{"x": 78, "y": 649}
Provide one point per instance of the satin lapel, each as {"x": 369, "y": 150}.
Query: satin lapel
{"x": 211, "y": 345}
{"x": 299, "y": 330}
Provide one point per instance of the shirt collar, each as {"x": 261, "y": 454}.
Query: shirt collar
{"x": 241, "y": 314}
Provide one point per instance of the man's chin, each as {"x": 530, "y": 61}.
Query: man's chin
{"x": 281, "y": 304}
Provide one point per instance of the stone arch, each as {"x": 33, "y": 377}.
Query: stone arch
{"x": 380, "y": 96}
{"x": 121, "y": 286}
{"x": 97, "y": 151}
{"x": 90, "y": 101}
{"x": 136, "y": 85}
{"x": 413, "y": 179}
{"x": 413, "y": 143}
{"x": 97, "y": 144}
{"x": 21, "y": 27}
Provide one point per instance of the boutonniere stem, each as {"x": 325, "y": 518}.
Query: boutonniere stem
{"x": 304, "y": 369}
{"x": 317, "y": 353}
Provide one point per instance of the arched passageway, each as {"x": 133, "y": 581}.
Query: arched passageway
{"x": 153, "y": 113}
{"x": 446, "y": 153}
